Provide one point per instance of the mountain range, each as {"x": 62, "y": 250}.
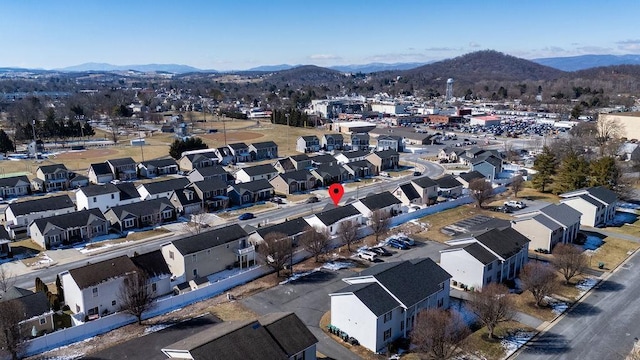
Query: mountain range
{"x": 168, "y": 68}
{"x": 582, "y": 62}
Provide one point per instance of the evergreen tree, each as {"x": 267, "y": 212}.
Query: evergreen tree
{"x": 545, "y": 164}
{"x": 602, "y": 172}
{"x": 6, "y": 144}
{"x": 572, "y": 174}
{"x": 180, "y": 146}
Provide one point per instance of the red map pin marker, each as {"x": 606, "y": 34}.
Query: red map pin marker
{"x": 335, "y": 192}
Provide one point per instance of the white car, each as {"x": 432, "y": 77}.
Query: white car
{"x": 367, "y": 255}
{"x": 515, "y": 204}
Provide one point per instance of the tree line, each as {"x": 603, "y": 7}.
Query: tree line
{"x": 290, "y": 116}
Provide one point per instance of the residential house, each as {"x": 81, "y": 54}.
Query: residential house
{"x": 186, "y": 201}
{"x": 384, "y": 160}
{"x": 382, "y": 303}
{"x": 548, "y": 226}
{"x": 360, "y": 141}
{"x": 141, "y": 214}
{"x": 93, "y": 290}
{"x": 390, "y": 142}
{"x": 449, "y": 186}
{"x": 153, "y": 168}
{"x": 466, "y": 178}
{"x": 37, "y": 317}
{"x": 155, "y": 269}
{"x": 5, "y": 243}
{"x": 263, "y": 150}
{"x": 209, "y": 252}
{"x": 79, "y": 226}
{"x": 123, "y": 169}
{"x": 419, "y": 191}
{"x": 293, "y": 229}
{"x": 361, "y": 169}
{"x": 385, "y": 202}
{"x": 98, "y": 196}
{"x": 274, "y": 336}
{"x": 322, "y": 159}
{"x": 327, "y": 174}
{"x": 162, "y": 188}
{"x": 331, "y": 142}
{"x": 51, "y": 178}
{"x": 351, "y": 156}
{"x": 494, "y": 256}
{"x": 250, "y": 192}
{"x": 292, "y": 163}
{"x": 475, "y": 154}
{"x": 293, "y": 182}
{"x": 489, "y": 166}
{"x": 331, "y": 219}
{"x": 596, "y": 204}
{"x": 20, "y": 214}
{"x": 77, "y": 181}
{"x": 224, "y": 155}
{"x": 209, "y": 173}
{"x": 307, "y": 144}
{"x": 128, "y": 193}
{"x": 213, "y": 193}
{"x": 450, "y": 154}
{"x": 257, "y": 172}
{"x": 14, "y": 186}
{"x": 240, "y": 152}
{"x": 198, "y": 160}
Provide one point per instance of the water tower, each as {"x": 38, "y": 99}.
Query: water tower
{"x": 449, "y": 93}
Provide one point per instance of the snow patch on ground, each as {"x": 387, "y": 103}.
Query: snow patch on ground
{"x": 102, "y": 247}
{"x": 157, "y": 327}
{"x": 557, "y": 306}
{"x": 297, "y": 276}
{"x": 461, "y": 308}
{"x": 515, "y": 341}
{"x": 337, "y": 265}
{"x": 585, "y": 285}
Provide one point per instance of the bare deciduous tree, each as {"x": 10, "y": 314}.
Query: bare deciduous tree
{"x": 380, "y": 222}
{"x": 12, "y": 312}
{"x": 136, "y": 295}
{"x": 608, "y": 133}
{"x": 197, "y": 223}
{"x": 481, "y": 191}
{"x": 540, "y": 279}
{"x": 315, "y": 241}
{"x": 276, "y": 250}
{"x": 570, "y": 260}
{"x": 348, "y": 233}
{"x": 7, "y": 279}
{"x": 517, "y": 184}
{"x": 492, "y": 305}
{"x": 439, "y": 333}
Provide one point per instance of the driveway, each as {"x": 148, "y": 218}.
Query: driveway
{"x": 309, "y": 298}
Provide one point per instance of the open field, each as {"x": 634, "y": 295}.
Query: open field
{"x": 439, "y": 220}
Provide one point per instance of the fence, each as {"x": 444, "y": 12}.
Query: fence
{"x": 110, "y": 322}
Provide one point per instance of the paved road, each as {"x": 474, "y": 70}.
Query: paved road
{"x": 308, "y": 297}
{"x": 602, "y": 327}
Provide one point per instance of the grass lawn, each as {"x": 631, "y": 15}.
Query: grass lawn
{"x": 526, "y": 303}
{"x": 613, "y": 252}
{"x": 439, "y": 220}
{"x": 568, "y": 291}
{"x": 529, "y": 192}
{"x": 479, "y": 343}
{"x": 232, "y": 311}
{"x": 251, "y": 209}
{"x": 361, "y": 183}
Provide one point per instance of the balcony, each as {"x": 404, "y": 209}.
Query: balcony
{"x": 245, "y": 251}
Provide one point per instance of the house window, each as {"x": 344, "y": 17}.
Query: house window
{"x": 387, "y": 334}
{"x": 166, "y": 215}
{"x": 95, "y": 292}
{"x": 171, "y": 255}
{"x": 194, "y": 258}
{"x": 113, "y": 303}
{"x": 154, "y": 287}
{"x": 128, "y": 223}
{"x": 95, "y": 199}
{"x": 195, "y": 272}
{"x": 387, "y": 316}
{"x": 113, "y": 196}
{"x": 490, "y": 266}
{"x": 43, "y": 320}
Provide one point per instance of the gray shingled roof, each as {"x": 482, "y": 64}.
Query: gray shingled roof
{"x": 264, "y": 145}
{"x": 289, "y": 332}
{"x": 288, "y": 228}
{"x": 409, "y": 191}
{"x": 210, "y": 185}
{"x": 238, "y": 146}
{"x": 121, "y": 161}
{"x": 505, "y": 243}
{"x": 94, "y": 274}
{"x": 330, "y": 217}
{"x": 480, "y": 253}
{"x": 127, "y": 191}
{"x": 379, "y": 201}
{"x": 447, "y": 182}
{"x": 209, "y": 239}
{"x": 142, "y": 208}
{"x": 424, "y": 182}
{"x": 101, "y": 168}
{"x": 469, "y": 176}
{"x": 41, "y": 204}
{"x": 160, "y": 163}
{"x": 604, "y": 194}
{"x": 210, "y": 170}
{"x": 562, "y": 213}
{"x": 252, "y": 186}
{"x": 95, "y": 190}
{"x": 298, "y": 175}
{"x": 546, "y": 222}
{"x": 48, "y": 169}
{"x": 373, "y": 296}
{"x": 70, "y": 220}
{"x": 12, "y": 181}
{"x": 355, "y": 154}
{"x": 323, "y": 159}
{"x": 259, "y": 170}
{"x": 385, "y": 154}
{"x": 162, "y": 186}
{"x": 152, "y": 264}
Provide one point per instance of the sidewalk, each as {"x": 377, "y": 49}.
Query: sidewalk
{"x": 610, "y": 233}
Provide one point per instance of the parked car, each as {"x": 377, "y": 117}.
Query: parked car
{"x": 367, "y": 255}
{"x": 417, "y": 173}
{"x": 246, "y": 216}
{"x": 515, "y": 204}
{"x": 313, "y": 199}
{"x": 277, "y": 200}
{"x": 503, "y": 209}
{"x": 406, "y": 240}
{"x": 395, "y": 243}
{"x": 380, "y": 251}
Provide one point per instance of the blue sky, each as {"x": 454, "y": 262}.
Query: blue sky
{"x": 239, "y": 34}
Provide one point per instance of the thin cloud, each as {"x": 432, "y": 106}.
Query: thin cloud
{"x": 324, "y": 57}
{"x": 593, "y": 49}
{"x": 397, "y": 57}
{"x": 440, "y": 49}
{"x": 474, "y": 44}
{"x": 629, "y": 45}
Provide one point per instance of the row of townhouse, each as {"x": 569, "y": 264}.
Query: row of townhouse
{"x": 229, "y": 154}
{"x": 332, "y": 142}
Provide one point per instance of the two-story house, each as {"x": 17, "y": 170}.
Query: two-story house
{"x": 79, "y": 226}
{"x": 596, "y": 204}
{"x": 293, "y": 182}
{"x": 361, "y": 169}
{"x": 548, "y": 226}
{"x": 450, "y": 155}
{"x": 38, "y": 315}
{"x": 141, "y": 214}
{"x": 390, "y": 142}
{"x": 198, "y": 160}
{"x": 20, "y": 214}
{"x": 381, "y": 303}
{"x": 186, "y": 201}
{"x": 98, "y": 196}
{"x": 99, "y": 173}
{"x": 123, "y": 169}
{"x": 51, "y": 178}
{"x": 159, "y": 167}
{"x": 360, "y": 141}
{"x": 493, "y": 256}
{"x": 384, "y": 160}
{"x": 257, "y": 172}
{"x": 209, "y": 173}
{"x": 14, "y": 186}
{"x": 449, "y": 186}
{"x": 224, "y": 155}
{"x": 489, "y": 166}
{"x": 331, "y": 219}
{"x": 250, "y": 192}
{"x": 156, "y": 271}
{"x": 209, "y": 252}
{"x": 293, "y": 229}
{"x": 263, "y": 150}
{"x": 419, "y": 191}
{"x": 213, "y": 192}
{"x": 240, "y": 152}
{"x": 384, "y": 202}
{"x": 323, "y": 159}
{"x": 330, "y": 174}
{"x": 331, "y": 142}
{"x": 161, "y": 189}
{"x": 307, "y": 144}
{"x": 466, "y": 178}
{"x": 351, "y": 156}
{"x": 93, "y": 290}
{"x": 292, "y": 163}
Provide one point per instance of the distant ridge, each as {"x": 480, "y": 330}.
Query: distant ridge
{"x": 376, "y": 67}
{"x": 168, "y": 68}
{"x": 582, "y": 62}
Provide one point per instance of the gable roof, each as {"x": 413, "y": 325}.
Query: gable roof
{"x": 259, "y": 170}
{"x": 360, "y": 164}
{"x": 335, "y": 136}
{"x": 210, "y": 185}
{"x": 447, "y": 182}
{"x": 152, "y": 264}
{"x": 584, "y": 197}
{"x": 47, "y": 169}
{"x": 331, "y": 216}
{"x": 142, "y": 208}
{"x": 209, "y": 239}
{"x": 323, "y": 159}
{"x": 252, "y": 186}
{"x": 310, "y": 137}
{"x": 480, "y": 253}
{"x": 547, "y": 222}
{"x": 385, "y": 154}
{"x": 299, "y": 157}
{"x": 373, "y": 296}
{"x": 182, "y": 199}
{"x": 207, "y": 155}
{"x": 94, "y": 274}
{"x": 291, "y": 334}
{"x": 424, "y": 182}
{"x": 355, "y": 154}
{"x": 298, "y": 175}
{"x": 469, "y": 176}
{"x": 158, "y": 187}
{"x": 492, "y": 160}
{"x": 380, "y": 200}
{"x": 34, "y": 304}
{"x": 288, "y": 228}
{"x": 121, "y": 161}
{"x": 506, "y": 242}
{"x": 128, "y": 191}
{"x": 330, "y": 170}
{"x": 409, "y": 191}
{"x": 102, "y": 189}
{"x": 70, "y": 220}
{"x": 160, "y": 162}
{"x": 562, "y": 213}
{"x": 41, "y": 204}
{"x": 264, "y": 145}
{"x": 210, "y": 170}
{"x": 603, "y": 194}
{"x": 238, "y": 146}
{"x": 12, "y": 181}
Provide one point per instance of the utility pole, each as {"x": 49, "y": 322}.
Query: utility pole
{"x": 141, "y": 141}
{"x": 288, "y": 140}
{"x": 224, "y": 132}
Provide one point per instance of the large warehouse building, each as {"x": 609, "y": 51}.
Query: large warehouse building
{"x": 629, "y": 123}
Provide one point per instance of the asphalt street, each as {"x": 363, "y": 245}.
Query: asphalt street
{"x": 602, "y": 327}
